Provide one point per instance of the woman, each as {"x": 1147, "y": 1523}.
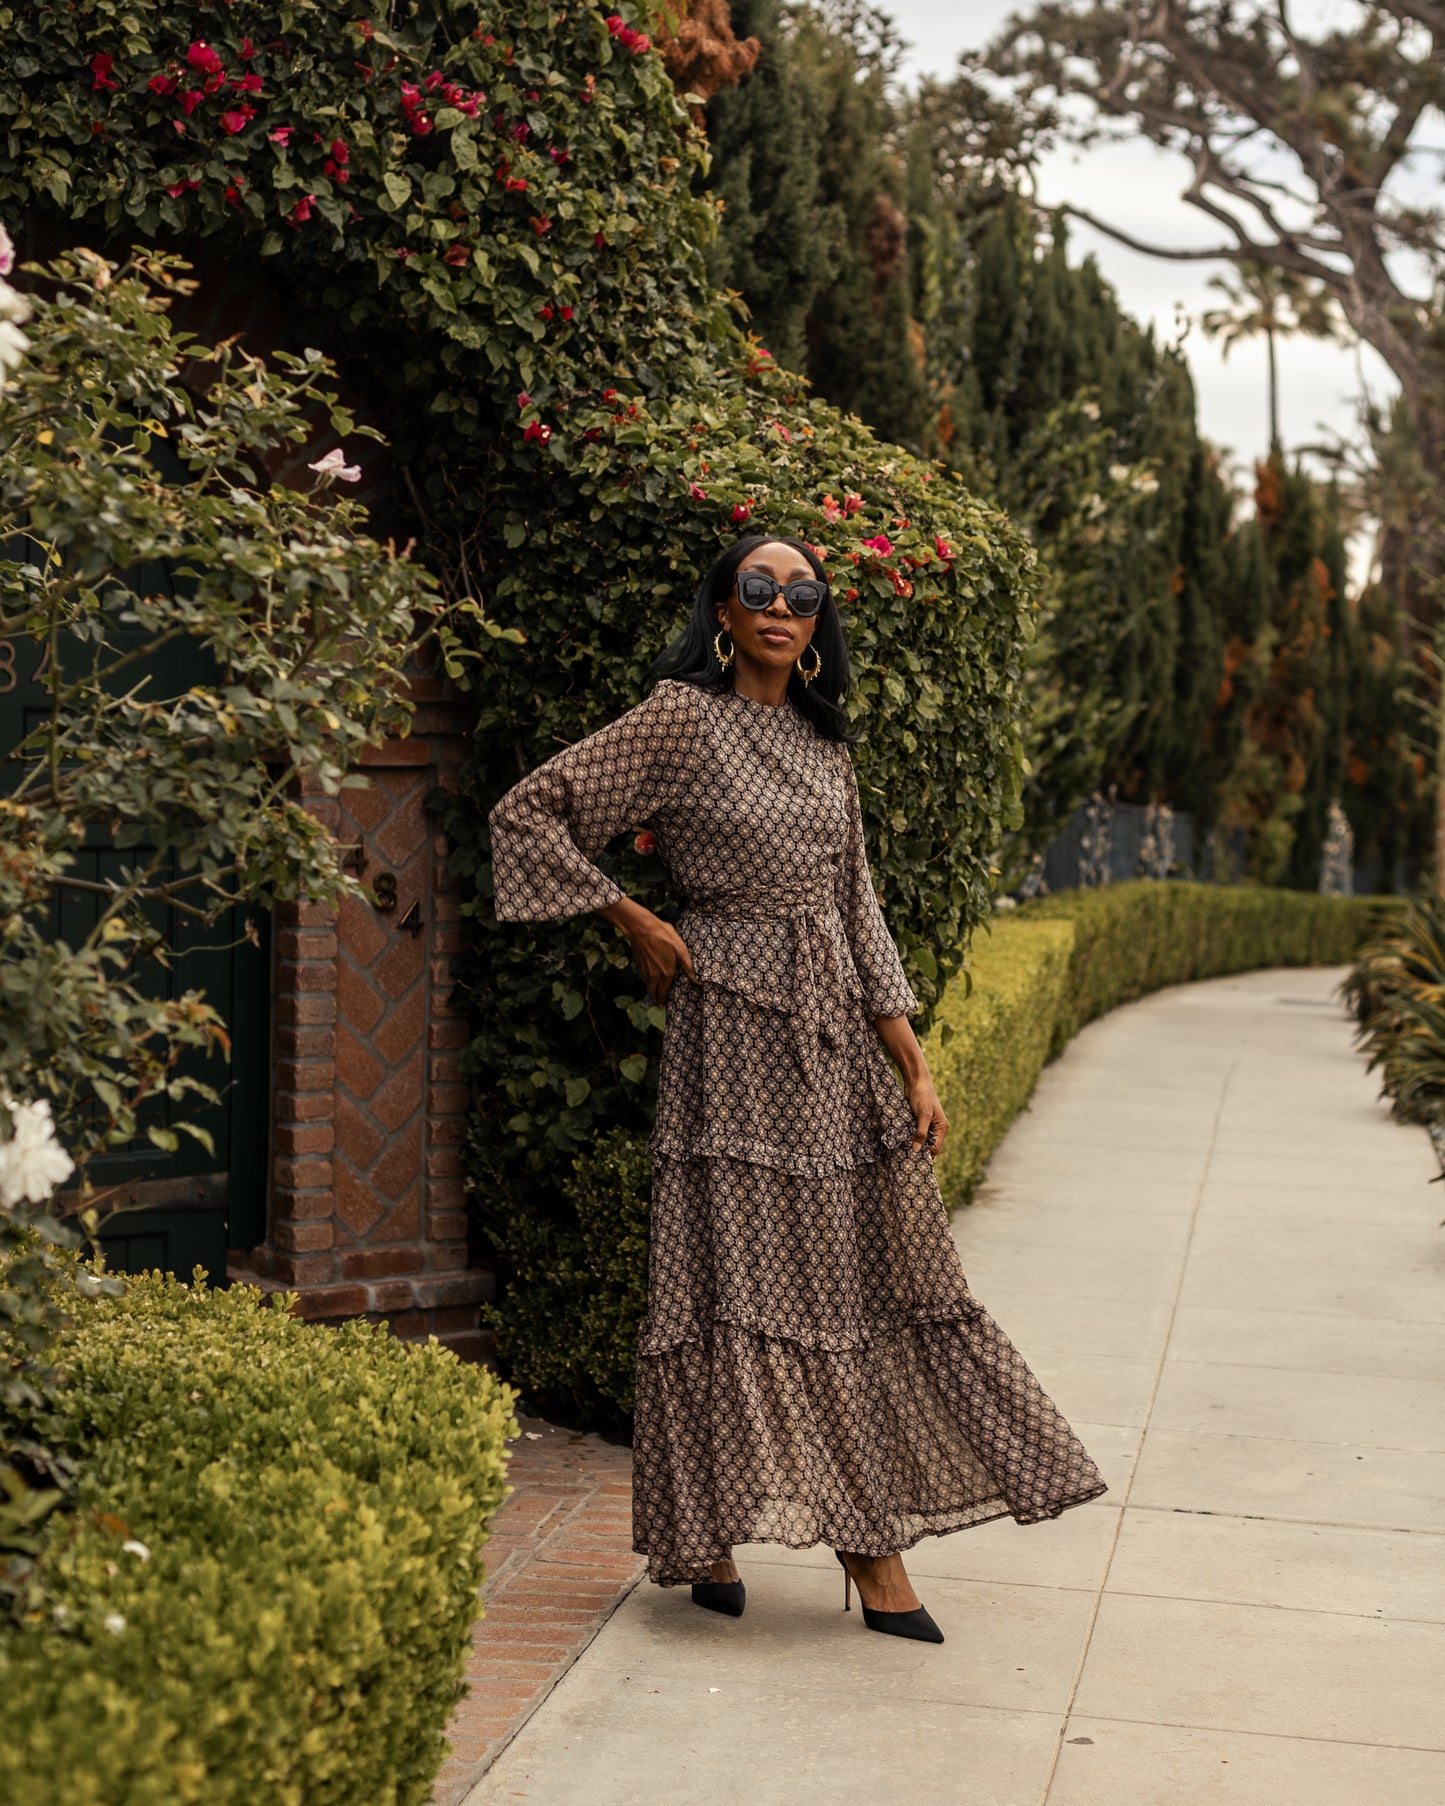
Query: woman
{"x": 812, "y": 1366}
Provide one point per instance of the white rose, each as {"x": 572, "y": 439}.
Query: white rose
{"x": 32, "y": 1161}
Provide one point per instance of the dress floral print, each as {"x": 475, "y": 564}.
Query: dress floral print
{"x": 812, "y": 1365}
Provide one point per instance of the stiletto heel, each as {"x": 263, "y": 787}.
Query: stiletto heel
{"x": 915, "y": 1624}
{"x": 725, "y": 1596}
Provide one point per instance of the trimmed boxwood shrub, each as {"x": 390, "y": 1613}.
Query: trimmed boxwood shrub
{"x": 992, "y": 1037}
{"x": 1045, "y": 971}
{"x": 1131, "y": 939}
{"x": 264, "y": 1591}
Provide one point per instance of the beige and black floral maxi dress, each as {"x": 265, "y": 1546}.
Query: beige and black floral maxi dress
{"x": 812, "y": 1366}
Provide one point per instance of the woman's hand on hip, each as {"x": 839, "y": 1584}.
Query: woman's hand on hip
{"x": 657, "y": 948}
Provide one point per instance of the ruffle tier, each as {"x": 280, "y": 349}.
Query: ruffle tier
{"x": 813, "y": 1368}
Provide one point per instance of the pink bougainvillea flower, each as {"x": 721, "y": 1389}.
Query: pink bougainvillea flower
{"x": 456, "y": 256}
{"x": 403, "y": 252}
{"x": 203, "y": 59}
{"x": 741, "y": 511}
{"x": 850, "y": 595}
{"x": 334, "y": 465}
{"x": 545, "y": 311}
{"x": 535, "y": 430}
{"x": 521, "y": 130}
{"x": 566, "y": 313}
{"x": 239, "y": 120}
{"x": 697, "y": 492}
{"x": 831, "y": 510}
{"x": 177, "y": 189}
{"x": 610, "y": 395}
{"x": 7, "y": 252}
{"x": 179, "y": 126}
{"x": 247, "y": 50}
{"x": 599, "y": 239}
{"x": 900, "y": 583}
{"x": 101, "y": 65}
{"x": 365, "y": 27}
{"x": 247, "y": 84}
{"x": 163, "y": 84}
{"x": 281, "y": 135}
{"x": 531, "y": 94}
{"x": 943, "y": 548}
{"x": 235, "y": 193}
{"x": 191, "y": 98}
{"x": 516, "y": 185}
{"x": 410, "y": 97}
{"x": 301, "y": 212}
{"x": 644, "y": 843}
{"x": 540, "y": 223}
{"x": 420, "y": 123}
{"x": 559, "y": 157}
{"x": 852, "y": 503}
{"x": 434, "y": 81}
{"x": 881, "y": 544}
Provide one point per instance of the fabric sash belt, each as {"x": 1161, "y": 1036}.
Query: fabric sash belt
{"x": 822, "y": 977}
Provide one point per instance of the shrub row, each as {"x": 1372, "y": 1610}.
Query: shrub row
{"x": 265, "y": 1592}
{"x": 1060, "y": 962}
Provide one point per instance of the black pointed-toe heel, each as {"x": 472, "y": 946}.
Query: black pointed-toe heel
{"x": 915, "y": 1624}
{"x": 726, "y": 1596}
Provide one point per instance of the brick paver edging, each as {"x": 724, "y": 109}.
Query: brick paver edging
{"x": 559, "y": 1562}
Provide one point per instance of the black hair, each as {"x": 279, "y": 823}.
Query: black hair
{"x": 691, "y": 658}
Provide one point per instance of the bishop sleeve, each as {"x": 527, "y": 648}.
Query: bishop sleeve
{"x": 547, "y": 830}
{"x": 886, "y": 991}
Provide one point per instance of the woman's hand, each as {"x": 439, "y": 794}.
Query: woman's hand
{"x": 932, "y": 1124}
{"x": 657, "y": 948}
{"x": 896, "y": 1034}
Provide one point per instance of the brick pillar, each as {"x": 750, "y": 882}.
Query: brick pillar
{"x": 367, "y": 1209}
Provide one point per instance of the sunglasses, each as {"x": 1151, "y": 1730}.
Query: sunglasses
{"x": 756, "y": 591}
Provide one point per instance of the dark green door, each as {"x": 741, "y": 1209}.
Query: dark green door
{"x": 184, "y": 1209}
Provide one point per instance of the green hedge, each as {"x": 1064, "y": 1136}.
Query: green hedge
{"x": 265, "y": 1592}
{"x": 1056, "y": 964}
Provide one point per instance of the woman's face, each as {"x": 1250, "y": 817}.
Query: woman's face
{"x": 773, "y": 636}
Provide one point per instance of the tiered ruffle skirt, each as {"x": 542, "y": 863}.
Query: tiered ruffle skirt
{"x": 813, "y": 1367}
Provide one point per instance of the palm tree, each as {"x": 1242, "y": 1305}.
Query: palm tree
{"x": 1277, "y": 303}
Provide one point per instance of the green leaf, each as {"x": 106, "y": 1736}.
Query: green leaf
{"x": 633, "y": 1068}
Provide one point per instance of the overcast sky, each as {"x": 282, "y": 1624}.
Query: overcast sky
{"x": 1139, "y": 187}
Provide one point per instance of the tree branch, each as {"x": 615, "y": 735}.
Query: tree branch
{"x": 1281, "y": 256}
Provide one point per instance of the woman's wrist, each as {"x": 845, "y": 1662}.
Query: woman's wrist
{"x": 625, "y": 914}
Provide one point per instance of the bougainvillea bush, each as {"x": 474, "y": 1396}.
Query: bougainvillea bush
{"x": 488, "y": 217}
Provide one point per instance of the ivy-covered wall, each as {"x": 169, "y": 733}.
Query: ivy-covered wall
{"x": 487, "y": 215}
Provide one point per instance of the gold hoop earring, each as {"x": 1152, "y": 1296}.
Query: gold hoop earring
{"x": 723, "y": 658}
{"x": 808, "y": 676}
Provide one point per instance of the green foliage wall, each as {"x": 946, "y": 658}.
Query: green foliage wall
{"x": 265, "y": 1593}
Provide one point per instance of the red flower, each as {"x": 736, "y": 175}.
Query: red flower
{"x": 880, "y": 544}
{"x": 365, "y": 27}
{"x": 420, "y": 124}
{"x": 238, "y": 121}
{"x": 566, "y": 313}
{"x": 403, "y": 252}
{"x": 831, "y": 510}
{"x": 697, "y": 492}
{"x": 410, "y": 97}
{"x": 850, "y": 595}
{"x": 163, "y": 84}
{"x": 944, "y": 549}
{"x": 852, "y": 503}
{"x": 203, "y": 59}
{"x": 281, "y": 135}
{"x": 301, "y": 212}
{"x": 433, "y": 81}
{"x": 456, "y": 256}
{"x": 644, "y": 843}
{"x": 741, "y": 513}
{"x": 900, "y": 583}
{"x": 540, "y": 222}
{"x": 599, "y": 239}
{"x": 234, "y": 193}
{"x": 179, "y": 125}
{"x": 247, "y": 50}
{"x": 545, "y": 311}
{"x": 524, "y": 400}
{"x": 521, "y": 130}
{"x": 177, "y": 189}
{"x": 247, "y": 84}
{"x": 191, "y": 98}
{"x": 537, "y": 431}
{"x": 101, "y": 65}
{"x": 516, "y": 185}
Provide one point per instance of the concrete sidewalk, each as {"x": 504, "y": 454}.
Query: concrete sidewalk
{"x": 1223, "y": 1260}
